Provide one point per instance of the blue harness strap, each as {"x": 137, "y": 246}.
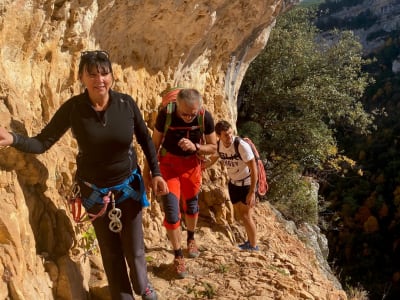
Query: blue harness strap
{"x": 124, "y": 188}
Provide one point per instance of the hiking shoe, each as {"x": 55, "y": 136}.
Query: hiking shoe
{"x": 193, "y": 251}
{"x": 150, "y": 293}
{"x": 245, "y": 244}
{"x": 248, "y": 247}
{"x": 179, "y": 263}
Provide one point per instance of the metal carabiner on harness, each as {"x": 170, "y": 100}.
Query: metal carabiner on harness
{"x": 114, "y": 214}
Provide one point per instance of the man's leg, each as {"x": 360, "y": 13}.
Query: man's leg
{"x": 246, "y": 215}
{"x": 170, "y": 167}
{"x": 172, "y": 225}
{"x": 172, "y": 215}
{"x": 175, "y": 236}
{"x": 190, "y": 188}
{"x": 191, "y": 222}
{"x": 172, "y": 219}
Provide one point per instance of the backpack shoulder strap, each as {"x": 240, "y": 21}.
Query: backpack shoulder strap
{"x": 170, "y": 109}
{"x": 236, "y": 143}
{"x": 200, "y": 119}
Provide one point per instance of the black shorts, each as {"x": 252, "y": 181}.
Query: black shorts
{"x": 238, "y": 193}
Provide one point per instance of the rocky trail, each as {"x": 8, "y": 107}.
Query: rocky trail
{"x": 284, "y": 268}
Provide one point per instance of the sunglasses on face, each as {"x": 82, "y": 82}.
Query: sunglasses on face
{"x": 188, "y": 116}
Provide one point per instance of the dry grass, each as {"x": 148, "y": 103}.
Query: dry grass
{"x": 357, "y": 293}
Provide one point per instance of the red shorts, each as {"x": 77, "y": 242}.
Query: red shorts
{"x": 183, "y": 177}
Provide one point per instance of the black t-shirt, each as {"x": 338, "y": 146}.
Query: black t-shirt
{"x": 105, "y": 139}
{"x": 179, "y": 129}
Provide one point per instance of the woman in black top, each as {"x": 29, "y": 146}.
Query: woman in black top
{"x": 104, "y": 122}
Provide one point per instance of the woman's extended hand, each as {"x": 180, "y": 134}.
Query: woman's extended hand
{"x": 6, "y": 139}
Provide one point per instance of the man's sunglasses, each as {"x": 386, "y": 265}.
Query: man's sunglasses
{"x": 188, "y": 116}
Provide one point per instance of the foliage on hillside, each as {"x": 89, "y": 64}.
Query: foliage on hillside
{"x": 304, "y": 121}
{"x": 296, "y": 93}
{"x": 365, "y": 236}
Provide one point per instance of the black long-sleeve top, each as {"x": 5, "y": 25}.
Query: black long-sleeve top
{"x": 105, "y": 139}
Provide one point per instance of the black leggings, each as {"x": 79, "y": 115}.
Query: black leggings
{"x": 129, "y": 245}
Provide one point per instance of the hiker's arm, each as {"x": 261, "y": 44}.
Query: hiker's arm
{"x": 155, "y": 182}
{"x": 210, "y": 147}
{"x": 157, "y": 139}
{"x": 251, "y": 196}
{"x": 51, "y": 133}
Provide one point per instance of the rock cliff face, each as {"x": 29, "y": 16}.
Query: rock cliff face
{"x": 203, "y": 44}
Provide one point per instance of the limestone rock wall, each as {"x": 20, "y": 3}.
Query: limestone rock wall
{"x": 203, "y": 44}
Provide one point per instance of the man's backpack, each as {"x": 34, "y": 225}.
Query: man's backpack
{"x": 262, "y": 183}
{"x": 169, "y": 101}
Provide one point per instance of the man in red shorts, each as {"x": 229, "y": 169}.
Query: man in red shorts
{"x": 180, "y": 148}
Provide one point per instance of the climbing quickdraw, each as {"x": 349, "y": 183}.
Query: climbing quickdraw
{"x": 75, "y": 202}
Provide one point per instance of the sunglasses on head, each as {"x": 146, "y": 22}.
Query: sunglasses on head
{"x": 94, "y": 53}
